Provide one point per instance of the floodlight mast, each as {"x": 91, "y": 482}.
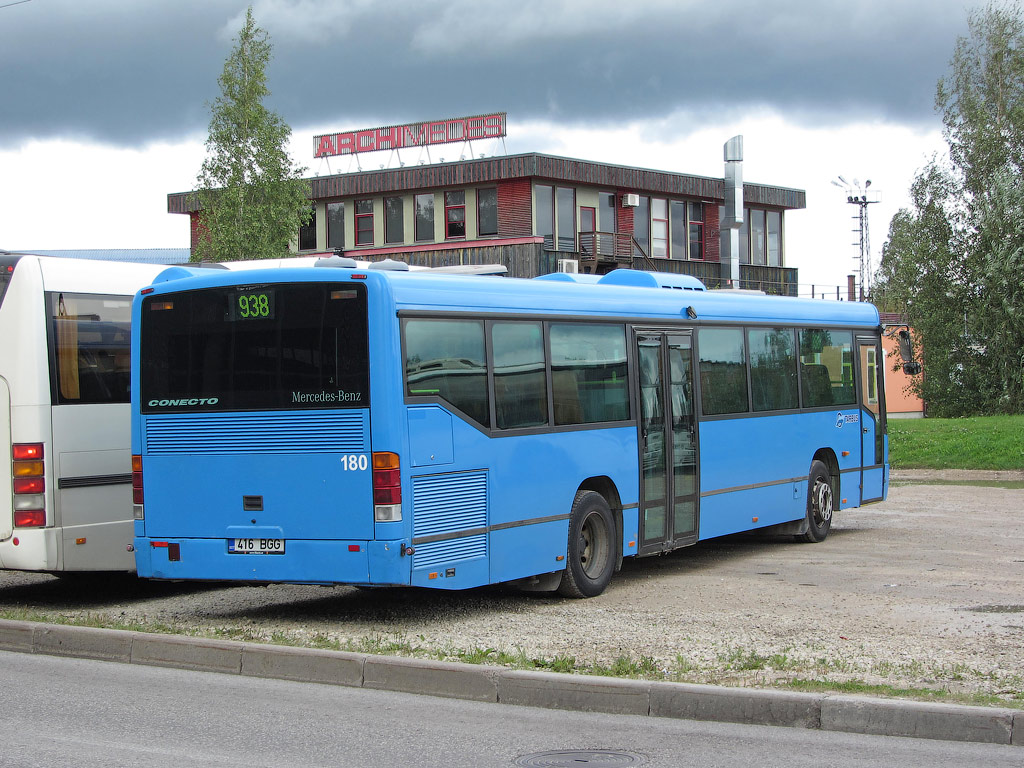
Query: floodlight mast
{"x": 857, "y": 194}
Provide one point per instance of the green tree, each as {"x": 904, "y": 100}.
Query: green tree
{"x": 952, "y": 262}
{"x": 251, "y": 196}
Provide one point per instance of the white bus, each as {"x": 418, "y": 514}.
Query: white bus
{"x": 65, "y": 502}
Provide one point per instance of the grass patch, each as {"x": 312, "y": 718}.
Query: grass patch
{"x": 983, "y": 442}
{"x": 732, "y": 667}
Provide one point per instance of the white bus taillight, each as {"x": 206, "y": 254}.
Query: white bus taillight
{"x": 29, "y": 485}
{"x": 137, "y": 498}
{"x": 387, "y": 488}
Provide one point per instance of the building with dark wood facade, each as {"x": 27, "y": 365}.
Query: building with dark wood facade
{"x": 536, "y": 214}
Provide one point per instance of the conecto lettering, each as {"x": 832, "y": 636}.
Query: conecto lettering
{"x": 184, "y": 401}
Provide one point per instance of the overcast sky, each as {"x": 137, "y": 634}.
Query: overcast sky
{"x": 104, "y": 104}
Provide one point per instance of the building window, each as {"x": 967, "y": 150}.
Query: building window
{"x": 424, "y": 217}
{"x": 336, "y": 225}
{"x": 545, "y": 206}
{"x": 455, "y": 214}
{"x": 642, "y": 224}
{"x": 696, "y": 230}
{"x": 394, "y": 220}
{"x": 606, "y": 222}
{"x": 659, "y": 228}
{"x": 487, "y": 211}
{"x": 758, "y": 238}
{"x": 364, "y": 222}
{"x": 565, "y": 218}
{"x": 677, "y": 223}
{"x": 774, "y": 224}
{"x": 307, "y": 233}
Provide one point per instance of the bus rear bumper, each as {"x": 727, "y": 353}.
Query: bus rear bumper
{"x": 30, "y": 549}
{"x": 304, "y": 561}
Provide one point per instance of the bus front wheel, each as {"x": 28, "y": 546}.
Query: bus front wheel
{"x": 820, "y": 503}
{"x": 591, "y": 557}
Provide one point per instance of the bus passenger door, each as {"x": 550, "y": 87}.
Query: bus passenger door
{"x": 668, "y": 441}
{"x": 872, "y": 420}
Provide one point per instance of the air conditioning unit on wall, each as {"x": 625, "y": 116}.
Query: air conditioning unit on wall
{"x": 630, "y": 200}
{"x": 568, "y": 265}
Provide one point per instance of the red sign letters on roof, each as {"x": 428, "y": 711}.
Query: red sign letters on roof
{"x": 449, "y": 131}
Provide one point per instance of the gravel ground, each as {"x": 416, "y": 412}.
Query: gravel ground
{"x": 925, "y": 590}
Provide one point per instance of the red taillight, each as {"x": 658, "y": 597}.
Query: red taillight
{"x": 29, "y": 485}
{"x": 29, "y": 518}
{"x": 137, "y": 480}
{"x": 27, "y": 451}
{"x": 387, "y": 479}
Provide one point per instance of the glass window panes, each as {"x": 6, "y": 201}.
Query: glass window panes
{"x": 487, "y": 211}
{"x": 520, "y": 382}
{"x": 394, "y": 220}
{"x": 307, "y": 233}
{"x": 826, "y": 368}
{"x": 336, "y": 225}
{"x": 424, "y": 217}
{"x": 565, "y": 208}
{"x": 642, "y": 224}
{"x": 92, "y": 343}
{"x": 723, "y": 371}
{"x": 758, "y": 238}
{"x": 545, "y": 207}
{"x": 659, "y": 228}
{"x": 445, "y": 359}
{"x": 678, "y": 226}
{"x": 455, "y": 213}
{"x": 588, "y": 373}
{"x": 307, "y": 348}
{"x": 606, "y": 222}
{"x": 364, "y": 222}
{"x": 773, "y": 383}
{"x": 774, "y": 224}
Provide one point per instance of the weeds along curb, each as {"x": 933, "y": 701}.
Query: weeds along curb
{"x": 884, "y": 717}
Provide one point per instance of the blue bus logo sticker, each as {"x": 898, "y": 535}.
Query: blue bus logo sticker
{"x": 852, "y": 418}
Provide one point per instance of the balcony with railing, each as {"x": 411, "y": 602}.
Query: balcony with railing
{"x": 603, "y": 251}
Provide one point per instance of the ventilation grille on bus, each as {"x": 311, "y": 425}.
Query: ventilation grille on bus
{"x": 264, "y": 433}
{"x": 449, "y": 504}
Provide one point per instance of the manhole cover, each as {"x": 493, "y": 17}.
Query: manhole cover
{"x": 573, "y": 758}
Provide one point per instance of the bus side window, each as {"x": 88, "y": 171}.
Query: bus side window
{"x": 445, "y": 359}
{"x": 588, "y": 372}
{"x": 723, "y": 371}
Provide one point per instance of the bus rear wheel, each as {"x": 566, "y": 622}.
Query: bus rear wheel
{"x": 591, "y": 557}
{"x": 820, "y": 504}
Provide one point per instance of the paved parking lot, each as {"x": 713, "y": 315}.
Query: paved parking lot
{"x": 925, "y": 590}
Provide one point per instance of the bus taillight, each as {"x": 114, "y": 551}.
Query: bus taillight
{"x": 29, "y": 472}
{"x": 387, "y": 488}
{"x": 137, "y": 497}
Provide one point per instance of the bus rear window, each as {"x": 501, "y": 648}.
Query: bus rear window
{"x": 90, "y": 342}
{"x": 257, "y": 347}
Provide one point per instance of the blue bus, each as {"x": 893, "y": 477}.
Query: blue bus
{"x": 374, "y": 426}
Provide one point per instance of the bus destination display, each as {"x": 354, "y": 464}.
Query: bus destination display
{"x": 251, "y": 304}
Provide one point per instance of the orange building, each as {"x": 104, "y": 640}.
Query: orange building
{"x": 900, "y": 402}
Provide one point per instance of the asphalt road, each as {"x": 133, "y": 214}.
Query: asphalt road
{"x": 82, "y": 713}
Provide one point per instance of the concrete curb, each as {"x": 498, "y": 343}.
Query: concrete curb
{"x": 881, "y": 717}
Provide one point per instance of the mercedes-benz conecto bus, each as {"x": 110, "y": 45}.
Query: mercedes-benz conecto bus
{"x": 378, "y": 427}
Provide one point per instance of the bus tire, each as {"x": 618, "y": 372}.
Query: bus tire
{"x": 820, "y": 504}
{"x": 591, "y": 555}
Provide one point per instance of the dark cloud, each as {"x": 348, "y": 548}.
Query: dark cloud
{"x": 128, "y": 73}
